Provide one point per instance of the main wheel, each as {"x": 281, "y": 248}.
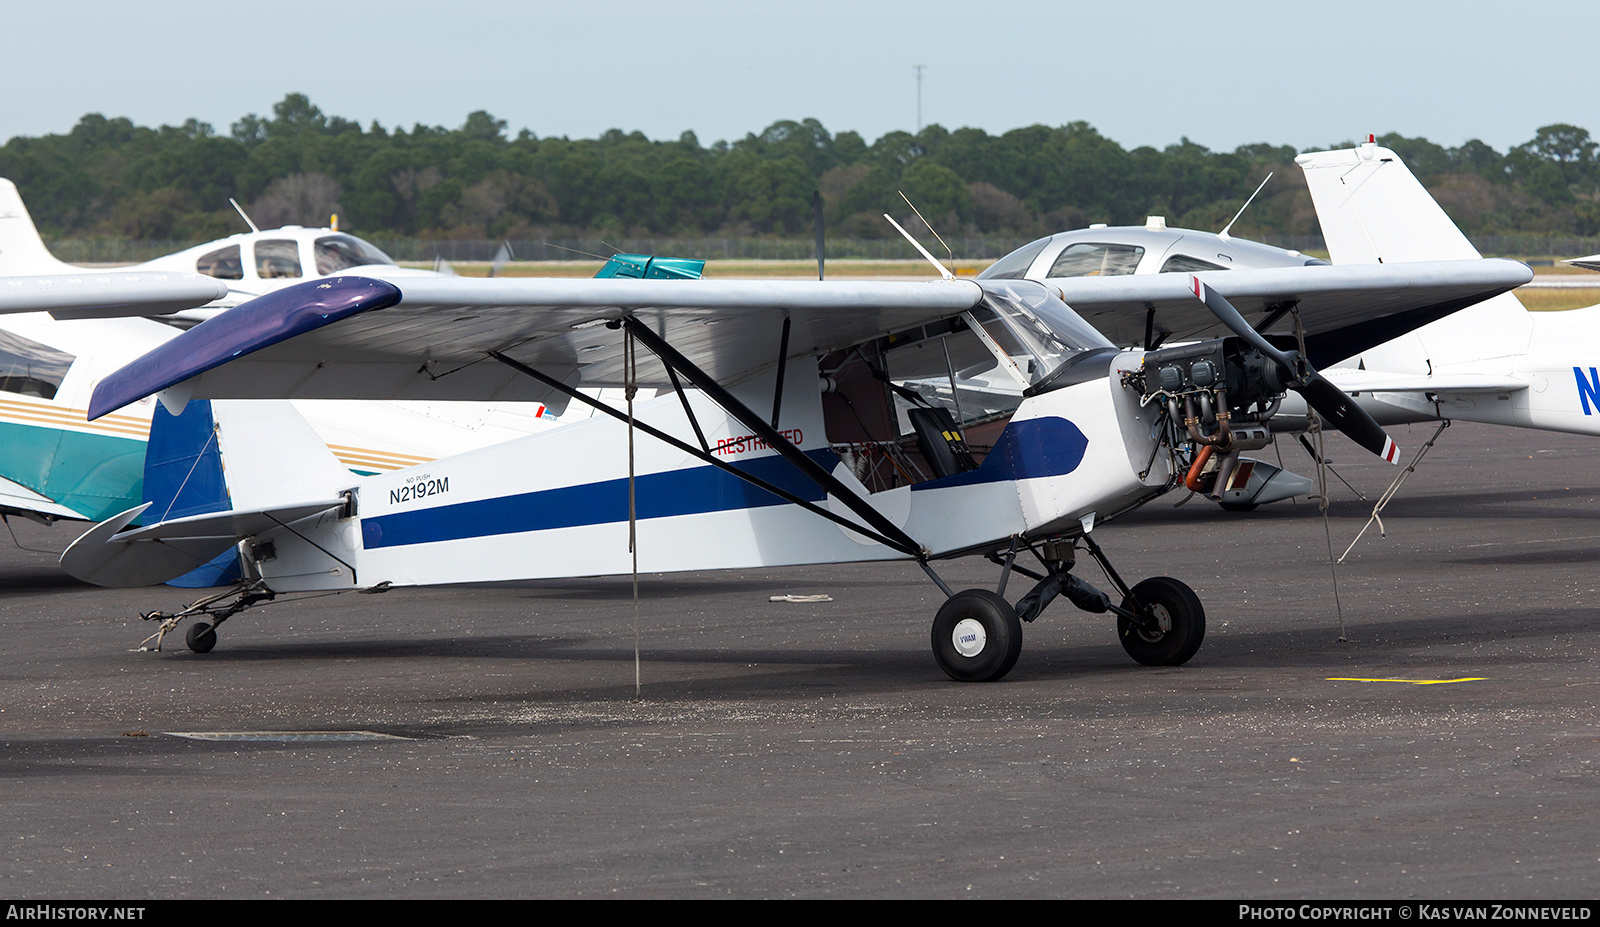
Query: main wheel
{"x": 1175, "y": 623}
{"x": 200, "y": 637}
{"x": 976, "y": 636}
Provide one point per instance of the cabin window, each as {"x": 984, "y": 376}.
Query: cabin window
{"x": 223, "y": 263}
{"x": 277, "y": 258}
{"x": 1087, "y": 259}
{"x": 339, "y": 252}
{"x": 30, "y": 368}
{"x": 1183, "y": 264}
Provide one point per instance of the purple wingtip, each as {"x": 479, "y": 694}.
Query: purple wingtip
{"x": 248, "y": 327}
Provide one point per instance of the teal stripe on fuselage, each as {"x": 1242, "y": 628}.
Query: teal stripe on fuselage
{"x": 96, "y": 476}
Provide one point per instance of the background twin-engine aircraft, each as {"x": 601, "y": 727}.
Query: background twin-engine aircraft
{"x": 777, "y": 440}
{"x": 66, "y": 329}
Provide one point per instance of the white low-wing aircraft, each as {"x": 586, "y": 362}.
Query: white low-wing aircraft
{"x": 1494, "y": 362}
{"x": 774, "y": 443}
{"x": 1491, "y": 362}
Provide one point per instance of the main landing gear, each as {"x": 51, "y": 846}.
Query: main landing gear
{"x": 202, "y": 635}
{"x": 977, "y": 635}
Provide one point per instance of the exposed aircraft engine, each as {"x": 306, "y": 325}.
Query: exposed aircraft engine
{"x": 1219, "y": 396}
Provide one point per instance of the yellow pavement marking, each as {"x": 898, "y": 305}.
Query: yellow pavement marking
{"x": 1415, "y": 682}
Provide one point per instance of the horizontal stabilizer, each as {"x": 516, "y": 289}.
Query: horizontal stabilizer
{"x": 108, "y": 295}
{"x": 108, "y": 555}
{"x": 14, "y": 497}
{"x": 1376, "y": 381}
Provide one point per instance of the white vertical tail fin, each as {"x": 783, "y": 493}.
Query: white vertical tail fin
{"x": 273, "y": 457}
{"x": 1373, "y": 211}
{"x": 22, "y": 251}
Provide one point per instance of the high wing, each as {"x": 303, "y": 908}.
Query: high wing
{"x": 108, "y": 295}
{"x": 1345, "y": 309}
{"x": 359, "y": 338}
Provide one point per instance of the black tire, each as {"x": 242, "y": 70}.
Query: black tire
{"x": 1238, "y": 506}
{"x": 1167, "y": 601}
{"x": 990, "y": 636}
{"x": 200, "y": 637}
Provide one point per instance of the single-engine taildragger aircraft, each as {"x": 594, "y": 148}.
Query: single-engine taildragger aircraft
{"x": 773, "y": 444}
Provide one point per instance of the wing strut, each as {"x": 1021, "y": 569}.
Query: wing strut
{"x": 809, "y": 468}
{"x": 911, "y": 550}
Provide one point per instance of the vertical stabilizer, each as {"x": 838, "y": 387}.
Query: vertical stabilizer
{"x": 183, "y": 476}
{"x": 1374, "y": 211}
{"x": 22, "y": 251}
{"x": 273, "y": 457}
{"x": 224, "y": 456}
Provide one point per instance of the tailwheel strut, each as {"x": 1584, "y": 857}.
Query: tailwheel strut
{"x": 202, "y": 635}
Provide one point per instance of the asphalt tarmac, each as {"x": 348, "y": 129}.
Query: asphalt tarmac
{"x": 816, "y": 750}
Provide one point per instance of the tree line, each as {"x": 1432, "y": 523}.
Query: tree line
{"x": 109, "y": 177}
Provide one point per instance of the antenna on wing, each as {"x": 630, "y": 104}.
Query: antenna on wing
{"x": 929, "y": 225}
{"x": 943, "y": 270}
{"x": 1224, "y": 233}
{"x": 816, "y": 220}
{"x": 577, "y": 251}
{"x": 240, "y": 210}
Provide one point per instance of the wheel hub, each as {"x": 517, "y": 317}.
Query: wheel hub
{"x": 1158, "y": 621}
{"x": 968, "y": 638}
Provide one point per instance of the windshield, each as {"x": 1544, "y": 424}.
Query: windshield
{"x": 224, "y": 264}
{"x": 1029, "y": 321}
{"x": 1015, "y": 265}
{"x": 339, "y": 252}
{"x": 31, "y": 368}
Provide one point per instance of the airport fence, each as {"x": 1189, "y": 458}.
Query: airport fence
{"x": 980, "y": 248}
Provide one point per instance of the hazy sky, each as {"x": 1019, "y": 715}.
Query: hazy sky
{"x": 1146, "y": 73}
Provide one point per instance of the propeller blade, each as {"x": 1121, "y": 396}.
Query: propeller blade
{"x": 1329, "y": 401}
{"x": 1342, "y": 412}
{"x": 1229, "y": 316}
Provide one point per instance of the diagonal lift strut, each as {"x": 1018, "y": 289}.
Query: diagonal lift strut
{"x": 897, "y": 540}
{"x": 770, "y": 434}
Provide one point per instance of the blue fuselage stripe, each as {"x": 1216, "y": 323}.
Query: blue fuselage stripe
{"x": 691, "y": 491}
{"x": 1028, "y": 449}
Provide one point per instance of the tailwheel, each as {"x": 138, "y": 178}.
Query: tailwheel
{"x": 1171, "y": 624}
{"x": 200, "y": 637}
{"x": 976, "y": 636}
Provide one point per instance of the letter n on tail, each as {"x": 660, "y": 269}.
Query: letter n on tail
{"x": 1588, "y": 388}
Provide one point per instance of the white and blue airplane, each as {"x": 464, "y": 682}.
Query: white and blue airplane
{"x": 774, "y": 442}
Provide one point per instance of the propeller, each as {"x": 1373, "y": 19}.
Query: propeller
{"x": 1329, "y": 401}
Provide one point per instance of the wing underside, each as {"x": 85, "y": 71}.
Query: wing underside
{"x": 1344, "y": 310}
{"x": 357, "y": 338}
